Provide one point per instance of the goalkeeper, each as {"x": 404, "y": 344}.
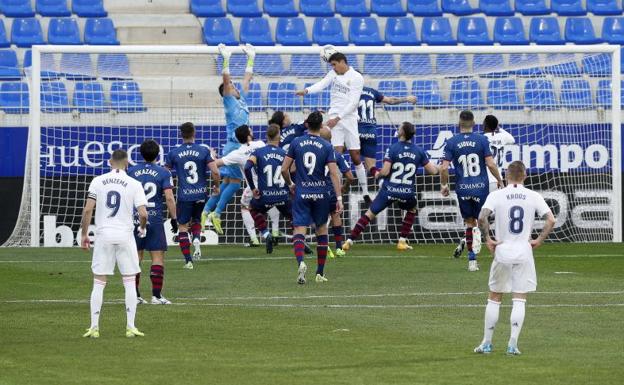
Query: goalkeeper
{"x": 236, "y": 115}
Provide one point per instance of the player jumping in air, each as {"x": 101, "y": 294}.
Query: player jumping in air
{"x": 288, "y": 129}
{"x": 114, "y": 196}
{"x": 190, "y": 161}
{"x": 156, "y": 181}
{"x": 401, "y": 162}
{"x": 236, "y": 115}
{"x": 470, "y": 153}
{"x": 310, "y": 153}
{"x": 513, "y": 268}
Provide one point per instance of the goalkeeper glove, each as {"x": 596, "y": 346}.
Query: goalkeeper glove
{"x": 174, "y": 225}
{"x": 226, "y": 54}
{"x": 250, "y": 51}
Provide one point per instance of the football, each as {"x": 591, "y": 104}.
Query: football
{"x": 327, "y": 51}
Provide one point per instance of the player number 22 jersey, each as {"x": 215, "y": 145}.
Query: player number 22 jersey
{"x": 405, "y": 158}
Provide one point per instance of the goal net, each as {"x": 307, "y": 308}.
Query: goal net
{"x": 559, "y": 103}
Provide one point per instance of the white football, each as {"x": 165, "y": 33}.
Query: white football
{"x": 327, "y": 51}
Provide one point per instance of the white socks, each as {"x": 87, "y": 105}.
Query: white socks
{"x": 97, "y": 297}
{"x": 360, "y": 173}
{"x": 249, "y": 223}
{"x": 491, "y": 318}
{"x": 516, "y": 320}
{"x": 274, "y": 215}
{"x": 131, "y": 300}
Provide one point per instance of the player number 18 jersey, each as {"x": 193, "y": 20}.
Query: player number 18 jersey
{"x": 468, "y": 153}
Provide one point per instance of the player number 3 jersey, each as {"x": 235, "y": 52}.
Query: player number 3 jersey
{"x": 190, "y": 161}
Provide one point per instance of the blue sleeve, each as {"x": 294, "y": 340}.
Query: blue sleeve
{"x": 169, "y": 161}
{"x": 387, "y": 155}
{"x": 342, "y": 164}
{"x": 448, "y": 151}
{"x": 486, "y": 147}
{"x": 166, "y": 181}
{"x": 331, "y": 155}
{"x": 299, "y": 129}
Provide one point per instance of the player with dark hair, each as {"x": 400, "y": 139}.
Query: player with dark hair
{"x": 288, "y": 129}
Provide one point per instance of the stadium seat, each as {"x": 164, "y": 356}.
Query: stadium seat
{"x": 89, "y": 98}
{"x": 26, "y": 32}
{"x": 568, "y": 7}
{"x": 388, "y": 8}
{"x": 328, "y": 30}
{"x": 451, "y": 64}
{"x": 291, "y": 31}
{"x": 532, "y": 7}
{"x": 580, "y": 30}
{"x": 64, "y": 31}
{"x": 4, "y": 41}
{"x": 352, "y": 8}
{"x": 395, "y": 88}
{"x": 254, "y": 98}
{"x": 437, "y": 31}
{"x": 16, "y": 8}
{"x": 458, "y": 7}
{"x": 269, "y": 65}
{"x": 496, "y": 7}
{"x": 364, "y": 31}
{"x": 9, "y": 69}
{"x": 281, "y": 96}
{"x": 466, "y": 94}
{"x": 280, "y": 8}
{"x": 125, "y": 96}
{"x": 539, "y": 94}
{"x": 576, "y": 94}
{"x": 207, "y": 8}
{"x": 52, "y": 8}
{"x": 317, "y": 101}
{"x": 379, "y": 65}
{"x": 424, "y": 8}
{"x": 613, "y": 30}
{"x": 604, "y": 94}
{"x": 427, "y": 93}
{"x": 243, "y": 8}
{"x": 509, "y": 31}
{"x": 597, "y": 65}
{"x": 526, "y": 62}
{"x": 401, "y": 31}
{"x": 545, "y": 30}
{"x": 89, "y": 8}
{"x": 54, "y": 98}
{"x": 306, "y": 66}
{"x": 503, "y": 95}
{"x": 604, "y": 7}
{"x": 567, "y": 66}
{"x": 113, "y": 66}
{"x": 14, "y": 97}
{"x": 415, "y": 64}
{"x": 316, "y": 8}
{"x": 77, "y": 66}
{"x": 256, "y": 31}
{"x": 100, "y": 31}
{"x": 489, "y": 65}
{"x": 219, "y": 30}
{"x": 473, "y": 31}
{"x": 48, "y": 64}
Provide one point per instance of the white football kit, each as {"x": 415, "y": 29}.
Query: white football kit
{"x": 514, "y": 208}
{"x": 239, "y": 157}
{"x": 498, "y": 140}
{"x": 344, "y": 98}
{"x": 116, "y": 195}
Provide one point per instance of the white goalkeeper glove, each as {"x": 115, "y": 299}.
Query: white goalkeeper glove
{"x": 225, "y": 54}
{"x": 250, "y": 51}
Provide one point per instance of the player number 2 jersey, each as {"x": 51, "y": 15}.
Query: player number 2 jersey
{"x": 155, "y": 180}
{"x": 468, "y": 153}
{"x": 311, "y": 154}
{"x": 271, "y": 183}
{"x": 405, "y": 158}
{"x": 189, "y": 161}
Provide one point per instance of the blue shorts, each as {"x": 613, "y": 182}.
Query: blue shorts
{"x": 384, "y": 199}
{"x": 155, "y": 240}
{"x": 470, "y": 204}
{"x": 368, "y": 141}
{"x": 263, "y": 206}
{"x": 190, "y": 211}
{"x": 306, "y": 212}
{"x": 232, "y": 171}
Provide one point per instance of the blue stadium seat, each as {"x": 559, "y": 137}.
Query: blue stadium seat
{"x": 9, "y": 70}
{"x": 398, "y": 89}
{"x": 113, "y": 66}
{"x": 496, "y": 7}
{"x": 415, "y": 64}
{"x": 207, "y": 8}
{"x": 389, "y": 8}
{"x": 425, "y": 8}
{"x": 269, "y": 65}
{"x": 244, "y": 8}
{"x": 473, "y": 31}
{"x": 89, "y": 8}
{"x": 26, "y": 32}
{"x": 52, "y": 8}
{"x": 254, "y": 98}
{"x": 458, "y": 7}
{"x": 14, "y": 97}
{"x": 364, "y": 31}
{"x": 580, "y": 30}
{"x": 238, "y": 63}
{"x": 604, "y": 7}
{"x": 280, "y": 8}
{"x": 318, "y": 101}
{"x": 125, "y": 96}
{"x": 64, "y": 31}
{"x": 306, "y": 66}
{"x": 545, "y": 30}
{"x": 567, "y": 66}
{"x": 489, "y": 65}
{"x": 527, "y": 61}
{"x": 16, "y": 8}
{"x": 451, "y": 64}
{"x": 47, "y": 62}
{"x": 427, "y": 93}
{"x": 466, "y": 94}
{"x": 509, "y": 31}
{"x": 352, "y": 8}
{"x": 613, "y": 30}
{"x": 54, "y": 98}
{"x": 328, "y": 30}
{"x": 401, "y": 31}
{"x": 89, "y": 98}
{"x": 316, "y": 8}
{"x": 281, "y": 96}
{"x": 379, "y": 65}
{"x": 576, "y": 94}
{"x": 597, "y": 65}
{"x": 568, "y": 7}
{"x": 540, "y": 95}
{"x": 532, "y": 7}
{"x": 437, "y": 31}
{"x": 77, "y": 66}
{"x": 4, "y": 41}
{"x": 603, "y": 94}
{"x": 100, "y": 31}
{"x": 256, "y": 31}
{"x": 291, "y": 31}
{"x": 503, "y": 95}
{"x": 219, "y": 30}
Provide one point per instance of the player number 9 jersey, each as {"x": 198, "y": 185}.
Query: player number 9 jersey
{"x": 311, "y": 154}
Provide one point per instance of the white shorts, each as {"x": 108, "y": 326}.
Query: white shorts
{"x": 493, "y": 186}
{"x": 246, "y": 197}
{"x": 106, "y": 254}
{"x": 513, "y": 278}
{"x": 345, "y": 133}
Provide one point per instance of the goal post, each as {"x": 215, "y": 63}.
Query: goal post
{"x": 562, "y": 142}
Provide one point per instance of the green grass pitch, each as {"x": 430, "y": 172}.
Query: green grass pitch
{"x": 383, "y": 318}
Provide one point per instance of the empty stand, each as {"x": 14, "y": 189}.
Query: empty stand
{"x": 532, "y": 7}
{"x": 100, "y": 31}
{"x": 280, "y": 8}
{"x": 64, "y": 31}
{"x": 89, "y": 8}
{"x": 4, "y": 40}
{"x": 26, "y": 32}
{"x": 604, "y": 7}
{"x": 458, "y": 7}
{"x": 503, "y": 95}
{"x": 473, "y": 31}
{"x": 54, "y": 98}
{"x": 568, "y": 7}
{"x": 9, "y": 69}
{"x": 256, "y": 31}
{"x": 219, "y": 30}
{"x": 437, "y": 31}
{"x": 496, "y": 7}
{"x": 14, "y": 97}
{"x": 427, "y": 93}
{"x": 291, "y": 31}
{"x": 328, "y": 30}
{"x": 52, "y": 8}
{"x": 545, "y": 30}
{"x": 352, "y": 8}
{"x": 466, "y": 94}
{"x": 364, "y": 31}
{"x": 16, "y": 8}
{"x": 281, "y": 96}
{"x": 125, "y": 96}
{"x": 425, "y": 8}
{"x": 316, "y": 8}
{"x": 401, "y": 31}
{"x": 510, "y": 31}
{"x": 207, "y": 8}
{"x": 580, "y": 30}
{"x": 416, "y": 64}
{"x": 89, "y": 98}
{"x": 390, "y": 8}
{"x": 244, "y": 8}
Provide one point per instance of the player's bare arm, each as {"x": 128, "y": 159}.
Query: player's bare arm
{"x": 484, "y": 226}
{"x": 335, "y": 177}
{"x": 216, "y": 177}
{"x": 548, "y": 226}
{"x": 249, "y": 166}
{"x": 385, "y": 170}
{"x": 228, "y": 86}
{"x": 288, "y": 161}
{"x": 142, "y": 211}
{"x": 250, "y": 51}
{"x": 391, "y": 100}
{"x": 350, "y": 180}
{"x": 431, "y": 168}
{"x": 491, "y": 165}
{"x": 87, "y": 214}
{"x": 444, "y": 178}
{"x": 171, "y": 208}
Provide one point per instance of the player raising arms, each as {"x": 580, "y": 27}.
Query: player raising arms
{"x": 310, "y": 153}
{"x": 401, "y": 162}
{"x": 114, "y": 196}
{"x": 155, "y": 180}
{"x": 189, "y": 161}
{"x": 470, "y": 153}
{"x": 513, "y": 268}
